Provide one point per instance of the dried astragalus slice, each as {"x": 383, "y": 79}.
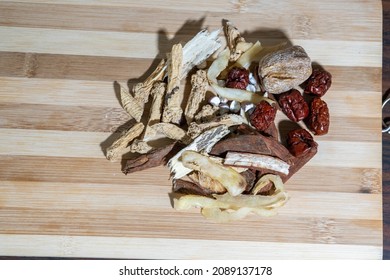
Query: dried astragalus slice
{"x": 203, "y": 143}
{"x": 172, "y": 109}
{"x": 233, "y": 181}
{"x": 199, "y": 85}
{"x": 115, "y": 151}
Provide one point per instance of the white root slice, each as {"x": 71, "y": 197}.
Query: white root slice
{"x": 199, "y": 85}
{"x": 257, "y": 160}
{"x": 172, "y": 110}
{"x": 199, "y": 49}
{"x": 195, "y": 129}
{"x": 171, "y": 131}
{"x": 130, "y": 104}
{"x": 233, "y": 181}
{"x": 114, "y": 152}
{"x": 220, "y": 161}
{"x": 203, "y": 143}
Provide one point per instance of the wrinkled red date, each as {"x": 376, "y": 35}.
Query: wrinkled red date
{"x": 299, "y": 142}
{"x": 293, "y": 105}
{"x": 237, "y": 78}
{"x": 318, "y": 120}
{"x": 318, "y": 83}
{"x": 263, "y": 115}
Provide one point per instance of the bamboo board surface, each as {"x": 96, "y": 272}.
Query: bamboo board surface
{"x": 60, "y": 197}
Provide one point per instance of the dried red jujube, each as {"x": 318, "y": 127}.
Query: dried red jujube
{"x": 318, "y": 120}
{"x": 237, "y": 78}
{"x": 318, "y": 83}
{"x": 299, "y": 142}
{"x": 293, "y": 105}
{"x": 263, "y": 115}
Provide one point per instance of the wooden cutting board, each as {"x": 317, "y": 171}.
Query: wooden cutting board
{"x": 60, "y": 197}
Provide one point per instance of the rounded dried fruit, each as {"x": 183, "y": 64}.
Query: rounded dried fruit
{"x": 293, "y": 105}
{"x": 318, "y": 120}
{"x": 299, "y": 142}
{"x": 319, "y": 82}
{"x": 263, "y": 115}
{"x": 237, "y": 78}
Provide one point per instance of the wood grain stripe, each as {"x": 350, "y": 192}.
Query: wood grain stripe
{"x": 145, "y": 45}
{"x": 131, "y": 19}
{"x": 100, "y": 171}
{"x": 155, "y": 248}
{"x": 102, "y": 94}
{"x": 106, "y": 119}
{"x": 54, "y": 143}
{"x": 101, "y": 68}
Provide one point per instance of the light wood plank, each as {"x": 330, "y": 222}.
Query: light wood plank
{"x": 132, "y": 19}
{"x": 155, "y": 248}
{"x": 101, "y": 171}
{"x": 145, "y": 45}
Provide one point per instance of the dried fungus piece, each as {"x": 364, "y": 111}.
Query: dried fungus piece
{"x": 257, "y": 161}
{"x": 285, "y": 69}
{"x": 230, "y": 179}
{"x": 203, "y": 143}
{"x": 115, "y": 151}
{"x": 199, "y": 85}
{"x": 172, "y": 109}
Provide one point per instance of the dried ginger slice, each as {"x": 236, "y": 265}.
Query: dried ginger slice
{"x": 114, "y": 152}
{"x": 172, "y": 109}
{"x": 199, "y": 86}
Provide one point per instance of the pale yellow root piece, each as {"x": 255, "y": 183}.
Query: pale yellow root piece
{"x": 235, "y": 41}
{"x": 199, "y": 87}
{"x": 172, "y": 110}
{"x": 141, "y": 91}
{"x": 158, "y": 92}
{"x": 172, "y": 131}
{"x": 114, "y": 152}
{"x": 207, "y": 182}
{"x": 130, "y": 104}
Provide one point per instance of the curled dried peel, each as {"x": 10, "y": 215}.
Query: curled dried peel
{"x": 233, "y": 181}
{"x": 265, "y": 180}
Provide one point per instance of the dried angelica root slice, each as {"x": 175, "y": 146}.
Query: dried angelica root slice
{"x": 233, "y": 181}
{"x": 203, "y": 143}
{"x": 257, "y": 161}
{"x": 130, "y": 104}
{"x": 114, "y": 152}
